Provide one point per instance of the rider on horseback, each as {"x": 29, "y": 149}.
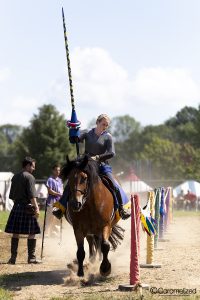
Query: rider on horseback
{"x": 99, "y": 145}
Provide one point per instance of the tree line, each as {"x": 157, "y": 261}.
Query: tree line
{"x": 170, "y": 150}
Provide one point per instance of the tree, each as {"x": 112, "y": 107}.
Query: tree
{"x": 164, "y": 156}
{"x": 11, "y": 132}
{"x": 123, "y": 126}
{"x": 185, "y": 115}
{"x": 172, "y": 160}
{"x": 183, "y": 125}
{"x": 46, "y": 140}
{"x": 8, "y": 134}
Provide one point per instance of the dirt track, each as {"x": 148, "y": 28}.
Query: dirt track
{"x": 179, "y": 258}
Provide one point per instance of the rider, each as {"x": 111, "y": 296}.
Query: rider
{"x": 99, "y": 145}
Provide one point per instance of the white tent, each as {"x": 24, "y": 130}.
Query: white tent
{"x": 5, "y": 182}
{"x": 41, "y": 190}
{"x": 190, "y": 185}
{"x": 135, "y": 186}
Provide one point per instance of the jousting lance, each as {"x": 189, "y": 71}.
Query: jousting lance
{"x": 72, "y": 124}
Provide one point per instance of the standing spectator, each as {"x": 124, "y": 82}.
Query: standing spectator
{"x": 24, "y": 214}
{"x": 55, "y": 189}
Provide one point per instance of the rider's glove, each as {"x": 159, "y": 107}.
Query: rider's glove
{"x": 96, "y": 157}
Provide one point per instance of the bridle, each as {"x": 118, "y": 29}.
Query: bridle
{"x": 84, "y": 193}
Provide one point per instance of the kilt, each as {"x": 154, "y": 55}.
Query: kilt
{"x": 20, "y": 222}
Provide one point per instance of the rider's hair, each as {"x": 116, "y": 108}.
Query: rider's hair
{"x": 101, "y": 117}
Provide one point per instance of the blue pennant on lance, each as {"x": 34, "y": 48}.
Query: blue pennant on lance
{"x": 73, "y": 123}
{"x": 73, "y": 126}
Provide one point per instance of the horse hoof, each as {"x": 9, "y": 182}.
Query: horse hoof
{"x": 105, "y": 269}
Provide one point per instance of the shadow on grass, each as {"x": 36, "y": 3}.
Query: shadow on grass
{"x": 14, "y": 282}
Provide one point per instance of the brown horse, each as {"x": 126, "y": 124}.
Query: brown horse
{"x": 90, "y": 210}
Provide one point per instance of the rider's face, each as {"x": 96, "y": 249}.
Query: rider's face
{"x": 102, "y": 125}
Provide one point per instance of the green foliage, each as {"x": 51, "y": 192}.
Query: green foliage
{"x": 125, "y": 131}
{"x": 184, "y": 125}
{"x": 123, "y": 126}
{"x": 3, "y": 219}
{"x": 5, "y": 295}
{"x": 170, "y": 150}
{"x": 172, "y": 160}
{"x": 8, "y": 134}
{"x": 46, "y": 140}
{"x": 165, "y": 157}
{"x": 186, "y": 115}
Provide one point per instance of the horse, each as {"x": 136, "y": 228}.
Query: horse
{"x": 90, "y": 210}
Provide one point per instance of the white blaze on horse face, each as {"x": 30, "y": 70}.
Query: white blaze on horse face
{"x": 79, "y": 197}
{"x": 81, "y": 187}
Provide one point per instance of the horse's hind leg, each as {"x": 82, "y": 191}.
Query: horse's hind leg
{"x": 105, "y": 267}
{"x": 98, "y": 242}
{"x": 92, "y": 250}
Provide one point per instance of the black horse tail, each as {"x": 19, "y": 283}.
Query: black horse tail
{"x": 116, "y": 237}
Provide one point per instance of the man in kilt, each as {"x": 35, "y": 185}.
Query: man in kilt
{"x": 24, "y": 214}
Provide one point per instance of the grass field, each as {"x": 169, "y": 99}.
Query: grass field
{"x": 3, "y": 219}
{"x": 5, "y": 295}
{"x": 187, "y": 213}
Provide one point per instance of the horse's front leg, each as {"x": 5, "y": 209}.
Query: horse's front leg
{"x": 80, "y": 254}
{"x": 105, "y": 267}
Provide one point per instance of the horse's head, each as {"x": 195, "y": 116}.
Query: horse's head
{"x": 82, "y": 174}
{"x": 78, "y": 183}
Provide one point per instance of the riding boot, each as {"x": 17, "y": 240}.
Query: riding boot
{"x": 60, "y": 206}
{"x": 31, "y": 243}
{"x": 122, "y": 212}
{"x": 57, "y": 212}
{"x": 14, "y": 247}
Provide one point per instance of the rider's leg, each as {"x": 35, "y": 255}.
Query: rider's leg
{"x": 122, "y": 212}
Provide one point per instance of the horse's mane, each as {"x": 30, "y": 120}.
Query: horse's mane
{"x": 85, "y": 164}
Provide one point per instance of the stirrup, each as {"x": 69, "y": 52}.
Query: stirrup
{"x": 124, "y": 214}
{"x": 57, "y": 212}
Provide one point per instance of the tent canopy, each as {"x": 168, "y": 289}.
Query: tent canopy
{"x": 135, "y": 186}
{"x": 189, "y": 185}
{"x": 4, "y": 176}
